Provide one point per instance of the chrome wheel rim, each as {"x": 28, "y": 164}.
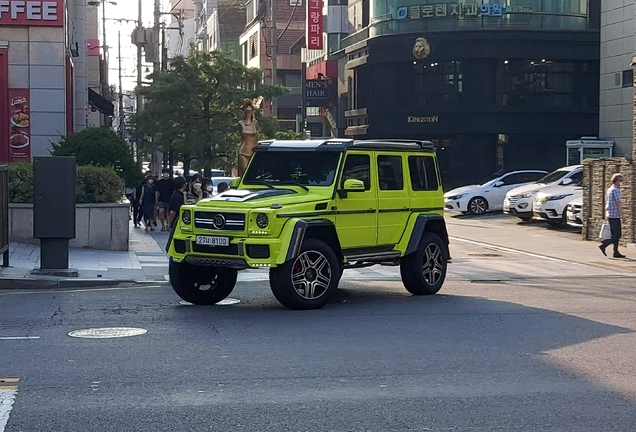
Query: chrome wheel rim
{"x": 311, "y": 275}
{"x": 433, "y": 267}
{"x": 478, "y": 206}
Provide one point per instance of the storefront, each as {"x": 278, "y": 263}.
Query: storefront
{"x": 490, "y": 97}
{"x": 43, "y": 86}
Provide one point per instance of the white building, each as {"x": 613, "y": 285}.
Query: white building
{"x": 181, "y": 28}
{"x": 618, "y": 45}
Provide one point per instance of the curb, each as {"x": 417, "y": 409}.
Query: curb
{"x": 35, "y": 283}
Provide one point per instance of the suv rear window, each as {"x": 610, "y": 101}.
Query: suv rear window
{"x": 423, "y": 173}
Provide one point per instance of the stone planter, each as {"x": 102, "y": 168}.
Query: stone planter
{"x": 98, "y": 226}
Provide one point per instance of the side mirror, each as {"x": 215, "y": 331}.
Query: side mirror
{"x": 353, "y": 185}
{"x": 235, "y": 183}
{"x": 567, "y": 181}
{"x": 499, "y": 184}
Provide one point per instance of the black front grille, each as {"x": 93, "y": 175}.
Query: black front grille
{"x": 257, "y": 251}
{"x": 221, "y": 250}
{"x": 219, "y": 221}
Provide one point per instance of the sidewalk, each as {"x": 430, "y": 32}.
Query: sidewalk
{"x": 535, "y": 238}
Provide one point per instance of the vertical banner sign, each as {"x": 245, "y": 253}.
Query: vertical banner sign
{"x": 19, "y": 126}
{"x": 314, "y": 25}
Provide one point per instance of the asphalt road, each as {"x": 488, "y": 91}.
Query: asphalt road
{"x": 535, "y": 355}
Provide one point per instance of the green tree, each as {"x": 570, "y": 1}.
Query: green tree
{"x": 192, "y": 109}
{"x": 101, "y": 147}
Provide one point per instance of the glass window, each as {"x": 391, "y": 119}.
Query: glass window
{"x": 577, "y": 177}
{"x": 293, "y": 167}
{"x": 628, "y": 78}
{"x": 437, "y": 83}
{"x": 358, "y": 167}
{"x": 423, "y": 173}
{"x": 513, "y": 179}
{"x": 532, "y": 177}
{"x": 390, "y": 173}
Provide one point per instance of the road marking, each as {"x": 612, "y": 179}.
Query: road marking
{"x": 8, "y": 392}
{"x": 108, "y": 332}
{"x": 19, "y": 337}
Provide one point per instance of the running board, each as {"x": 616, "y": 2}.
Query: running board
{"x": 380, "y": 256}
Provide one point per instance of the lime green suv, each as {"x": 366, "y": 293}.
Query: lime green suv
{"x": 307, "y": 210}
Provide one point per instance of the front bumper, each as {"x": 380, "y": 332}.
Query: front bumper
{"x": 546, "y": 212}
{"x": 522, "y": 208}
{"x": 460, "y": 205}
{"x": 574, "y": 219}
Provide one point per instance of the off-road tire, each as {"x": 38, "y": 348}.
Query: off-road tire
{"x": 473, "y": 203}
{"x": 187, "y": 281}
{"x": 316, "y": 272}
{"x": 424, "y": 271}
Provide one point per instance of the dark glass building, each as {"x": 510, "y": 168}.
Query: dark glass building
{"x": 497, "y": 85}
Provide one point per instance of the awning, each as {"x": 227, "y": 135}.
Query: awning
{"x": 100, "y": 103}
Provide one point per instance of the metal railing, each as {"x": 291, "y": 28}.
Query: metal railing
{"x": 4, "y": 214}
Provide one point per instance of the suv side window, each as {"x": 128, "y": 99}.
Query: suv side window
{"x": 423, "y": 173}
{"x": 358, "y": 167}
{"x": 390, "y": 174}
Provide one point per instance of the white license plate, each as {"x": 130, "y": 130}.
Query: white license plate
{"x": 213, "y": 241}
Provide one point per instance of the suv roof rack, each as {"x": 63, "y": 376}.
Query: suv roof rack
{"x": 422, "y": 143}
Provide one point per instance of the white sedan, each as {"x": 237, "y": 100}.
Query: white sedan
{"x": 489, "y": 196}
{"x": 574, "y": 212}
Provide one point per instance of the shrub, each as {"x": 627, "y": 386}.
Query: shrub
{"x": 101, "y": 147}
{"x": 95, "y": 185}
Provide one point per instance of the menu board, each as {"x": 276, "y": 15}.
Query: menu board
{"x": 19, "y": 126}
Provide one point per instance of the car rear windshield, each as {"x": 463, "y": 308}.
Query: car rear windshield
{"x": 294, "y": 167}
{"x": 553, "y": 176}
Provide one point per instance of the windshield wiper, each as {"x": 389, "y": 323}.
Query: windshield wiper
{"x": 294, "y": 182}
{"x": 263, "y": 182}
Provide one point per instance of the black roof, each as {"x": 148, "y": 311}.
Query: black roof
{"x": 341, "y": 145}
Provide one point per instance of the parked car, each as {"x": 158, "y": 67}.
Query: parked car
{"x": 550, "y": 203}
{"x": 489, "y": 196}
{"x": 218, "y": 180}
{"x": 574, "y": 212}
{"x": 519, "y": 201}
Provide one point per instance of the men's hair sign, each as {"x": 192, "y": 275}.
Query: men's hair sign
{"x": 314, "y": 26}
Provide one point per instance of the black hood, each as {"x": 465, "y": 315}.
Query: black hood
{"x": 244, "y": 195}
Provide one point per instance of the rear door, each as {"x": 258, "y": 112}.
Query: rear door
{"x": 393, "y": 197}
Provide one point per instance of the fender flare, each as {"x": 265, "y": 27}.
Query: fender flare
{"x": 418, "y": 232}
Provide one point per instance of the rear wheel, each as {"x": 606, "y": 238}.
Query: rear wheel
{"x": 424, "y": 272}
{"x": 201, "y": 285}
{"x": 308, "y": 281}
{"x": 477, "y": 206}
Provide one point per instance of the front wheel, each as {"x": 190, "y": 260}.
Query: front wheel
{"x": 477, "y": 206}
{"x": 424, "y": 272}
{"x": 308, "y": 281}
{"x": 201, "y": 285}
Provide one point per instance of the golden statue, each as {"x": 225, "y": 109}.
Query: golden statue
{"x": 249, "y": 132}
{"x": 421, "y": 49}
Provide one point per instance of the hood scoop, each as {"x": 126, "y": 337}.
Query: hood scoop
{"x": 249, "y": 195}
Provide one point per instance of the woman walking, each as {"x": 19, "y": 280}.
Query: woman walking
{"x": 148, "y": 203}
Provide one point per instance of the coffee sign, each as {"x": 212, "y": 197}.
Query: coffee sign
{"x": 32, "y": 13}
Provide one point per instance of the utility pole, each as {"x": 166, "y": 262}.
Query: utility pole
{"x": 155, "y": 32}
{"x": 303, "y": 94}
{"x": 122, "y": 123}
{"x": 140, "y": 102}
{"x": 274, "y": 57}
{"x": 105, "y": 48}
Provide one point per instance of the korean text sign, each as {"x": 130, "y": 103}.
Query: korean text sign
{"x": 32, "y": 13}
{"x": 314, "y": 24}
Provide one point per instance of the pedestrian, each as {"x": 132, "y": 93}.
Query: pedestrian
{"x": 137, "y": 214}
{"x": 614, "y": 214}
{"x": 148, "y": 203}
{"x": 177, "y": 199}
{"x": 196, "y": 190}
{"x": 208, "y": 189}
{"x": 222, "y": 187}
{"x": 165, "y": 187}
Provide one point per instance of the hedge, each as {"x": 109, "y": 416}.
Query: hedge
{"x": 95, "y": 185}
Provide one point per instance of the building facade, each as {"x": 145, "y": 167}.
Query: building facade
{"x": 496, "y": 85}
{"x": 44, "y": 84}
{"x": 181, "y": 32}
{"x": 618, "y": 44}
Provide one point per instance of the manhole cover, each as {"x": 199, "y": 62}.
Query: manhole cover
{"x": 226, "y": 302}
{"x": 107, "y": 333}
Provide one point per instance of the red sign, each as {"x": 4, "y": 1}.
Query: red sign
{"x": 32, "y": 13}
{"x": 92, "y": 47}
{"x": 19, "y": 126}
{"x": 314, "y": 25}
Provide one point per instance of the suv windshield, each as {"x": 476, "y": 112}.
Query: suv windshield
{"x": 553, "y": 176}
{"x": 293, "y": 167}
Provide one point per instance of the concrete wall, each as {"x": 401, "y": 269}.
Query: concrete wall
{"x": 618, "y": 33}
{"x": 98, "y": 226}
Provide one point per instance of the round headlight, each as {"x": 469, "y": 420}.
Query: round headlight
{"x": 262, "y": 220}
{"x": 186, "y": 217}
